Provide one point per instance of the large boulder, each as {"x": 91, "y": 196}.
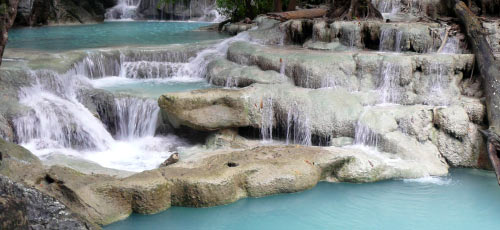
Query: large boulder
{"x": 323, "y": 112}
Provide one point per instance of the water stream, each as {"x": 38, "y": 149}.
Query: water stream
{"x": 59, "y": 122}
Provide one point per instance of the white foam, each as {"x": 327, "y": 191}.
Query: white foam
{"x": 430, "y": 180}
{"x": 132, "y": 155}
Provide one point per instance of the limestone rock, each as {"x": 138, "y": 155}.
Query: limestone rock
{"x": 464, "y": 152}
{"x": 453, "y": 120}
{"x": 222, "y": 72}
{"x": 217, "y": 109}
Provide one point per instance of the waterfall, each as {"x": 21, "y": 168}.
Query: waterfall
{"x": 231, "y": 82}
{"x": 452, "y": 46}
{"x": 132, "y": 64}
{"x": 57, "y": 119}
{"x": 365, "y": 136}
{"x": 390, "y": 39}
{"x": 397, "y": 44}
{"x": 282, "y": 67}
{"x": 297, "y": 127}
{"x": 197, "y": 66}
{"x": 146, "y": 69}
{"x": 389, "y": 88}
{"x": 267, "y": 123}
{"x": 136, "y": 117}
{"x": 124, "y": 10}
{"x": 437, "y": 83}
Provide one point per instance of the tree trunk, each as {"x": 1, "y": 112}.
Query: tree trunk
{"x": 249, "y": 9}
{"x": 354, "y": 10}
{"x": 8, "y": 11}
{"x": 490, "y": 71}
{"x": 292, "y": 4}
{"x": 278, "y": 6}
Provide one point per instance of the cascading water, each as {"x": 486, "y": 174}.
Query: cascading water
{"x": 389, "y": 88}
{"x": 136, "y": 117}
{"x": 58, "y": 123}
{"x": 57, "y": 119}
{"x": 390, "y": 40}
{"x": 437, "y": 84}
{"x": 267, "y": 123}
{"x": 124, "y": 10}
{"x": 452, "y": 46}
{"x": 297, "y": 127}
{"x": 137, "y": 64}
{"x": 197, "y": 66}
{"x": 365, "y": 136}
{"x": 149, "y": 70}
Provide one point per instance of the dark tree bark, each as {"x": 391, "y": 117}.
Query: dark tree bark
{"x": 490, "y": 72}
{"x": 249, "y": 9}
{"x": 8, "y": 11}
{"x": 278, "y": 6}
{"x": 354, "y": 10}
{"x": 292, "y": 4}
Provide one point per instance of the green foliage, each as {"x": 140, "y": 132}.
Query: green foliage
{"x": 237, "y": 10}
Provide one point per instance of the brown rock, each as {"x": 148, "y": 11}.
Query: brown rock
{"x": 171, "y": 160}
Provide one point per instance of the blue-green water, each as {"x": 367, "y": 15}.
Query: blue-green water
{"x": 149, "y": 88}
{"x": 467, "y": 199}
{"x": 108, "y": 34}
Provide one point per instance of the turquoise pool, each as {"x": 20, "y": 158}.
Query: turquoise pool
{"x": 467, "y": 199}
{"x": 109, "y": 34}
{"x": 149, "y": 88}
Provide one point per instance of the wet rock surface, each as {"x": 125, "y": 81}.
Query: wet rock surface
{"x": 27, "y": 208}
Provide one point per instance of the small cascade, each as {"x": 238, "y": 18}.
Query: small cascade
{"x": 452, "y": 46}
{"x": 149, "y": 70}
{"x": 390, "y": 40}
{"x": 388, "y": 6}
{"x": 197, "y": 66}
{"x": 365, "y": 136}
{"x": 136, "y": 117}
{"x": 267, "y": 124}
{"x": 231, "y": 82}
{"x": 297, "y": 127}
{"x": 282, "y": 67}
{"x": 192, "y": 10}
{"x": 389, "y": 85}
{"x": 210, "y": 14}
{"x": 131, "y": 64}
{"x": 57, "y": 119}
{"x": 397, "y": 44}
{"x": 437, "y": 85}
{"x": 124, "y": 10}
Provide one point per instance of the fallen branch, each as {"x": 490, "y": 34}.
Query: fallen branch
{"x": 490, "y": 72}
{"x": 299, "y": 14}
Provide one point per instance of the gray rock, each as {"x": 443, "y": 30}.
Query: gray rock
{"x": 453, "y": 120}
{"x": 222, "y": 72}
{"x": 34, "y": 210}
